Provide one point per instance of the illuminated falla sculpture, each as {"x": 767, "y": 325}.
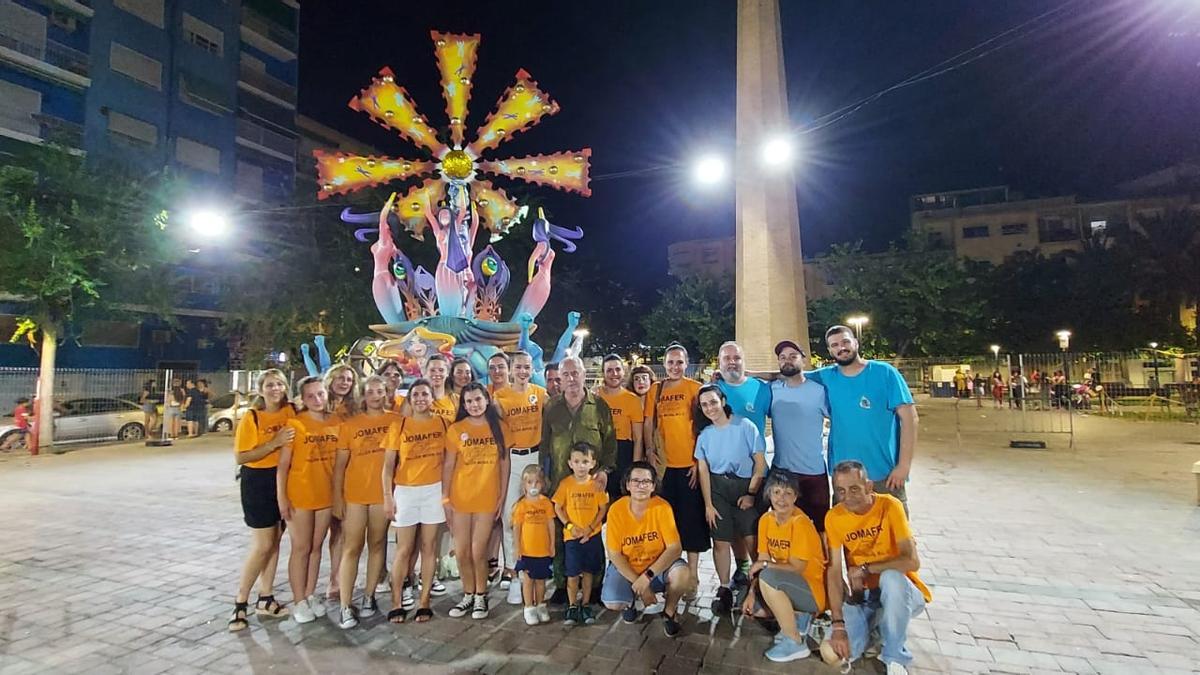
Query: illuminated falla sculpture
{"x": 457, "y": 307}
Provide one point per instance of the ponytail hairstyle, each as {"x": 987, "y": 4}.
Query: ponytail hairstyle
{"x": 490, "y": 413}
{"x": 304, "y": 382}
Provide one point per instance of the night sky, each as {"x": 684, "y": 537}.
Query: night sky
{"x": 1099, "y": 93}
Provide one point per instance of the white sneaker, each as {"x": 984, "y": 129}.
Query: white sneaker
{"x": 347, "y": 621}
{"x": 437, "y": 589}
{"x": 407, "y": 600}
{"x": 514, "y": 593}
{"x": 896, "y": 669}
{"x": 368, "y": 607}
{"x": 302, "y": 613}
{"x": 383, "y": 587}
{"x": 656, "y": 608}
{"x": 543, "y": 613}
{"x": 480, "y": 611}
{"x": 317, "y": 606}
{"x": 506, "y": 581}
{"x": 463, "y": 607}
{"x": 531, "y": 616}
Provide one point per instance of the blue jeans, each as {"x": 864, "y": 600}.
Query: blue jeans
{"x": 890, "y": 607}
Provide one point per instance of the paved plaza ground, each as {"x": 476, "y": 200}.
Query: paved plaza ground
{"x": 1083, "y": 559}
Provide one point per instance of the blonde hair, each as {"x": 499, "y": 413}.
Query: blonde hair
{"x": 381, "y": 380}
{"x": 353, "y": 398}
{"x": 534, "y": 470}
{"x": 304, "y": 382}
{"x": 259, "y": 402}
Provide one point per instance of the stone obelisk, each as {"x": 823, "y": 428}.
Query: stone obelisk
{"x": 770, "y": 276}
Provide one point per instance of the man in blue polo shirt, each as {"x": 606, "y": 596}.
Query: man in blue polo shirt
{"x": 872, "y": 414}
{"x": 798, "y": 412}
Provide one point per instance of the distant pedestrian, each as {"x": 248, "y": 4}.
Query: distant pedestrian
{"x": 172, "y": 414}
{"x": 149, "y": 399}
{"x": 21, "y": 421}
{"x": 997, "y": 389}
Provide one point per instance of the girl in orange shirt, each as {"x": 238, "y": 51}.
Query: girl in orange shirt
{"x": 461, "y": 375}
{"x": 260, "y": 434}
{"x": 345, "y": 401}
{"x": 412, "y": 488}
{"x": 358, "y": 496}
{"x": 474, "y": 480}
{"x": 305, "y": 491}
{"x": 392, "y": 377}
{"x": 445, "y": 401}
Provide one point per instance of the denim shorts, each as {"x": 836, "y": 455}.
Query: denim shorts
{"x": 618, "y": 590}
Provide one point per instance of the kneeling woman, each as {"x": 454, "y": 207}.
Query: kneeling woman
{"x": 306, "y": 493}
{"x": 644, "y": 552}
{"x": 474, "y": 481}
{"x": 789, "y": 576}
{"x": 260, "y": 434}
{"x": 412, "y": 493}
{"x": 358, "y": 497}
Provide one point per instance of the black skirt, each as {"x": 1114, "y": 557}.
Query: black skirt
{"x": 260, "y": 506}
{"x": 688, "y": 505}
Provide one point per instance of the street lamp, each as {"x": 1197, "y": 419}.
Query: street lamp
{"x": 858, "y": 322}
{"x": 1154, "y": 355}
{"x": 709, "y": 170}
{"x": 1064, "y": 343}
{"x": 778, "y": 151}
{"x": 208, "y": 223}
{"x": 996, "y": 355}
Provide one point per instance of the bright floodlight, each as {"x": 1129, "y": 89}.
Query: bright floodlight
{"x": 709, "y": 170}
{"x": 778, "y": 151}
{"x": 582, "y": 332}
{"x": 208, "y": 223}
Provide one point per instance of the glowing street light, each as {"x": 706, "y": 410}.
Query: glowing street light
{"x": 208, "y": 223}
{"x": 996, "y": 354}
{"x": 709, "y": 170}
{"x": 581, "y": 333}
{"x": 1064, "y": 339}
{"x": 778, "y": 151}
{"x": 858, "y": 322}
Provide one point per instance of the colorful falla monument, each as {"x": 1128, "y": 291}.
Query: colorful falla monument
{"x": 456, "y": 309}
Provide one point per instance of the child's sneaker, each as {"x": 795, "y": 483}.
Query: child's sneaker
{"x": 572, "y": 616}
{"x": 531, "y": 616}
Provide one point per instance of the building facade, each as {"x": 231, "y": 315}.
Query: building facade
{"x": 716, "y": 259}
{"x": 206, "y": 88}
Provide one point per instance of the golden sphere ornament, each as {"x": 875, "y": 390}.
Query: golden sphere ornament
{"x": 457, "y": 164}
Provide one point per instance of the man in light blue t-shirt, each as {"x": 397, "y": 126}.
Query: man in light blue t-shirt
{"x": 798, "y": 412}
{"x": 749, "y": 397}
{"x": 872, "y": 414}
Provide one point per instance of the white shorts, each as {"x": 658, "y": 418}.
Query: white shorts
{"x": 418, "y": 505}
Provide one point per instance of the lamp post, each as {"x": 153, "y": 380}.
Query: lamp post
{"x": 1064, "y": 343}
{"x": 996, "y": 356}
{"x": 858, "y": 322}
{"x": 1154, "y": 355}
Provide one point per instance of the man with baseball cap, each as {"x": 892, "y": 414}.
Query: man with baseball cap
{"x": 798, "y": 411}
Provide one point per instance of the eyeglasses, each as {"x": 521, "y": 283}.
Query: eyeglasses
{"x": 641, "y": 481}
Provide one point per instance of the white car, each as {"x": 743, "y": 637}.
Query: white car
{"x": 91, "y": 419}
{"x": 223, "y": 415}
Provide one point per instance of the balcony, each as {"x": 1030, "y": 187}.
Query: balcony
{"x": 39, "y": 128}
{"x": 283, "y": 93}
{"x": 273, "y": 38}
{"x": 45, "y": 58}
{"x": 266, "y": 141}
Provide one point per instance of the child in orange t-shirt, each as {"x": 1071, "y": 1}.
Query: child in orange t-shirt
{"x": 533, "y": 538}
{"x": 580, "y": 504}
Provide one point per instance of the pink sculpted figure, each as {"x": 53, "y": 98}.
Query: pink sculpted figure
{"x": 383, "y": 285}
{"x": 453, "y": 278}
{"x": 538, "y": 291}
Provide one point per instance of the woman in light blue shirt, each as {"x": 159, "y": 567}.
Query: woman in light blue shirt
{"x": 731, "y": 462}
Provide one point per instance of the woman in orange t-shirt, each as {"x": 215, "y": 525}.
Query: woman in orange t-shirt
{"x": 412, "y": 491}
{"x": 260, "y": 434}
{"x": 392, "y": 377}
{"x": 305, "y": 490}
{"x": 789, "y": 575}
{"x": 358, "y": 496}
{"x": 345, "y": 401}
{"x": 474, "y": 480}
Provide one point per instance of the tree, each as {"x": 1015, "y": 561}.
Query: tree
{"x": 80, "y": 238}
{"x": 696, "y": 312}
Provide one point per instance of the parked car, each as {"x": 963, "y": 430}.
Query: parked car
{"x": 93, "y": 419}
{"x": 226, "y": 410}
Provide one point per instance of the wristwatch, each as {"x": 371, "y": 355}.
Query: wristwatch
{"x": 649, "y": 574}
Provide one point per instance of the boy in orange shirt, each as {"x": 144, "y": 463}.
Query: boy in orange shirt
{"x": 580, "y": 504}
{"x": 533, "y": 538}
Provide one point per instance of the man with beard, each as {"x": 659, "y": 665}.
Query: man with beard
{"x": 874, "y": 419}
{"x": 798, "y": 411}
{"x": 628, "y": 418}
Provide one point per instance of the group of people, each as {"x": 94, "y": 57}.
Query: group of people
{"x": 618, "y": 488}
{"x": 184, "y": 406}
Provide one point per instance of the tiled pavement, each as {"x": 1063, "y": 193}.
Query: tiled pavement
{"x": 123, "y": 559}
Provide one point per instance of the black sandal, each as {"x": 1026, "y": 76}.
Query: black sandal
{"x": 397, "y": 613}
{"x": 423, "y": 615}
{"x": 238, "y": 621}
{"x": 266, "y": 605}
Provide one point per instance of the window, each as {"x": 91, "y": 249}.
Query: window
{"x": 136, "y": 65}
{"x": 126, "y": 129}
{"x": 1099, "y": 226}
{"x": 150, "y": 11}
{"x": 110, "y": 334}
{"x": 249, "y": 180}
{"x": 197, "y": 155}
{"x": 1014, "y": 228}
{"x": 975, "y": 231}
{"x": 203, "y": 35}
{"x": 64, "y": 21}
{"x": 1055, "y": 228}
{"x": 203, "y": 94}
{"x": 18, "y": 106}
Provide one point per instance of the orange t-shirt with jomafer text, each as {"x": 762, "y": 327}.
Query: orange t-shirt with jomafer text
{"x": 626, "y": 411}
{"x": 522, "y": 412}
{"x": 420, "y": 447}
{"x": 534, "y": 517}
{"x": 582, "y": 501}
{"x": 475, "y": 484}
{"x": 640, "y": 540}
{"x": 795, "y": 538}
{"x": 258, "y": 427}
{"x": 871, "y": 537}
{"x": 672, "y": 411}
{"x": 310, "y": 478}
{"x": 363, "y": 436}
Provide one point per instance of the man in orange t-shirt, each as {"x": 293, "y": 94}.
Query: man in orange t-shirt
{"x": 870, "y": 540}
{"x": 670, "y": 409}
{"x": 628, "y": 418}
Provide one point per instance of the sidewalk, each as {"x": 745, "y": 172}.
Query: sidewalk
{"x": 124, "y": 559}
